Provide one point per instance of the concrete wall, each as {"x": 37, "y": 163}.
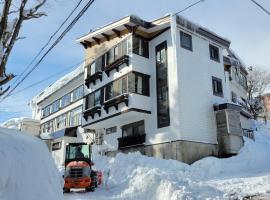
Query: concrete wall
{"x": 183, "y": 151}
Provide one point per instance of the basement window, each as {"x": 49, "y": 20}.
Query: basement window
{"x": 217, "y": 86}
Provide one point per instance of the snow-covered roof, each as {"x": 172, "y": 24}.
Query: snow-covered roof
{"x": 57, "y": 85}
{"x": 234, "y": 59}
{"x": 15, "y": 123}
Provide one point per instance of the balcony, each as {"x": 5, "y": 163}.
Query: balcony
{"x": 130, "y": 141}
{"x": 116, "y": 64}
{"x": 91, "y": 112}
{"x": 115, "y": 101}
{"x": 92, "y": 78}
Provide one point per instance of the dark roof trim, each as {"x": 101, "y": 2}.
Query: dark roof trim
{"x": 213, "y": 37}
{"x": 202, "y": 31}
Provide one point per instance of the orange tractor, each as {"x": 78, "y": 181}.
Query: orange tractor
{"x": 78, "y": 168}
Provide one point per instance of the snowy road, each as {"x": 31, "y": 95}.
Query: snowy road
{"x": 256, "y": 187}
{"x": 137, "y": 177}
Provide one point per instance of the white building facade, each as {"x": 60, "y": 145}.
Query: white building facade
{"x": 162, "y": 88}
{"x": 59, "y": 108}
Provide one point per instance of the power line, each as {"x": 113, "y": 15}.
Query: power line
{"x": 260, "y": 6}
{"x": 184, "y": 9}
{"x": 48, "y": 42}
{"x": 74, "y": 21}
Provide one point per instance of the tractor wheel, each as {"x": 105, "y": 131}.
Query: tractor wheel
{"x": 66, "y": 190}
{"x": 90, "y": 189}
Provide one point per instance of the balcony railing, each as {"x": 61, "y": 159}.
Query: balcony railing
{"x": 130, "y": 141}
{"x": 91, "y": 112}
{"x": 92, "y": 78}
{"x": 116, "y": 64}
{"x": 115, "y": 101}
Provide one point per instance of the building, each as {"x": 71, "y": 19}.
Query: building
{"x": 166, "y": 88}
{"x": 59, "y": 109}
{"x": 24, "y": 124}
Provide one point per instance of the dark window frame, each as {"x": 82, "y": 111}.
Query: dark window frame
{"x": 189, "y": 37}
{"x": 159, "y": 47}
{"x": 217, "y": 88}
{"x": 111, "y": 130}
{"x": 214, "y": 53}
{"x": 133, "y": 126}
{"x": 143, "y": 45}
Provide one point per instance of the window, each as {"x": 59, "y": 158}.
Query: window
{"x": 94, "y": 99}
{"x": 46, "y": 111}
{"x": 134, "y": 129}
{"x": 117, "y": 52}
{"x": 116, "y": 88}
{"x": 217, "y": 87}
{"x": 75, "y": 117}
{"x": 234, "y": 97}
{"x": 138, "y": 83}
{"x": 111, "y": 130}
{"x": 214, "y": 53}
{"x": 61, "y": 121}
{"x": 77, "y": 93}
{"x": 186, "y": 41}
{"x": 163, "y": 108}
{"x": 140, "y": 46}
{"x": 47, "y": 127}
{"x": 65, "y": 100}
{"x": 55, "y": 106}
{"x": 133, "y": 83}
{"x": 96, "y": 66}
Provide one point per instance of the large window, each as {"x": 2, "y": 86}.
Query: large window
{"x": 186, "y": 40}
{"x": 46, "y": 111}
{"x": 47, "y": 127}
{"x": 132, "y": 83}
{"x": 138, "y": 83}
{"x": 140, "y": 46}
{"x": 55, "y": 106}
{"x": 65, "y": 100}
{"x": 116, "y": 52}
{"x": 93, "y": 99}
{"x": 61, "y": 121}
{"x": 76, "y": 117}
{"x": 217, "y": 87}
{"x": 163, "y": 112}
{"x": 77, "y": 93}
{"x": 96, "y": 66}
{"x": 134, "y": 129}
{"x": 214, "y": 53}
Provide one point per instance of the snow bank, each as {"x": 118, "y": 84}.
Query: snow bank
{"x": 27, "y": 171}
{"x": 134, "y": 176}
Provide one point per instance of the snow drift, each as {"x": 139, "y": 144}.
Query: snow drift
{"x": 27, "y": 171}
{"x": 134, "y": 176}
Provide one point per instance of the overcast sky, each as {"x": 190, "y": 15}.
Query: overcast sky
{"x": 240, "y": 21}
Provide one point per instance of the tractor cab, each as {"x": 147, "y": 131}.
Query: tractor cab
{"x": 78, "y": 168}
{"x": 78, "y": 152}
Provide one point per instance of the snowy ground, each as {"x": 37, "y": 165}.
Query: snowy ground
{"x": 135, "y": 176}
{"x": 27, "y": 170}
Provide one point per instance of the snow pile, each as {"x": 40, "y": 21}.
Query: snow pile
{"x": 57, "y": 85}
{"x": 27, "y": 171}
{"x": 134, "y": 176}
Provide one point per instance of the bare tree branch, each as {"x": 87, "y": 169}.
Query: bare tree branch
{"x": 10, "y": 28}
